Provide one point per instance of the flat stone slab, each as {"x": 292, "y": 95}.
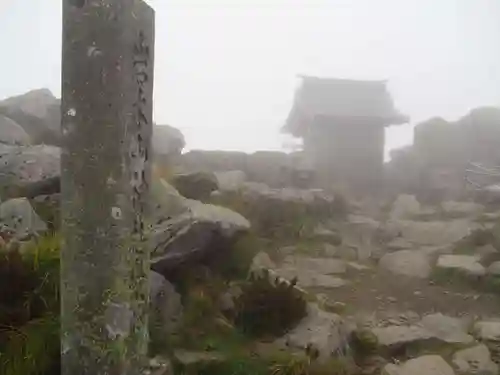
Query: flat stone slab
{"x": 325, "y": 266}
{"x": 396, "y": 336}
{"x": 412, "y": 263}
{"x": 449, "y": 329}
{"x": 308, "y": 278}
{"x": 466, "y": 264}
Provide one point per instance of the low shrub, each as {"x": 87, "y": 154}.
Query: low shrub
{"x": 29, "y": 308}
{"x": 268, "y": 308}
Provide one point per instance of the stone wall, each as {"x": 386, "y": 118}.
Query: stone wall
{"x": 273, "y": 168}
{"x": 434, "y": 166}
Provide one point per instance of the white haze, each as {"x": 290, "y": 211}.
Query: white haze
{"x": 225, "y": 73}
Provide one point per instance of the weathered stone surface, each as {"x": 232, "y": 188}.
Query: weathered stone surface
{"x": 165, "y": 307}
{"x": 191, "y": 361}
{"x": 18, "y": 215}
{"x": 307, "y": 278}
{"x": 106, "y": 126}
{"x": 325, "y": 331}
{"x": 315, "y": 201}
{"x": 230, "y": 180}
{"x": 466, "y": 209}
{"x": 194, "y": 235}
{"x": 167, "y": 140}
{"x": 494, "y": 269}
{"x": 487, "y": 330}
{"x": 323, "y": 266}
{"x": 427, "y": 364}
{"x": 261, "y": 261}
{"x": 475, "y": 360}
{"x": 196, "y": 185}
{"x": 166, "y": 202}
{"x": 405, "y": 207}
{"x": 12, "y": 133}
{"x": 360, "y": 232}
{"x": 448, "y": 329}
{"x": 345, "y": 252}
{"x": 393, "y": 337}
{"x": 412, "y": 263}
{"x": 467, "y": 264}
{"x": 37, "y": 112}
{"x": 28, "y": 164}
{"x": 431, "y": 233}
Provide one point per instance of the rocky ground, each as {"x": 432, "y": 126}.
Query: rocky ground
{"x": 400, "y": 290}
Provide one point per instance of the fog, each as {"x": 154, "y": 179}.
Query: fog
{"x": 225, "y": 73}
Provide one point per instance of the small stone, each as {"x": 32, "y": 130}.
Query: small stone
{"x": 392, "y": 299}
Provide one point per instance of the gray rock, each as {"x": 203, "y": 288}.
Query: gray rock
{"x": 230, "y": 180}
{"x": 466, "y": 209}
{"x": 427, "y": 364}
{"x": 360, "y": 232}
{"x": 167, "y": 202}
{"x": 411, "y": 263}
{"x": 166, "y": 307}
{"x": 467, "y": 264}
{"x": 430, "y": 233}
{"x": 487, "y": 330}
{"x": 19, "y": 164}
{"x": 37, "y": 112}
{"x": 325, "y": 331}
{"x": 167, "y": 140}
{"x": 494, "y": 269}
{"x": 261, "y": 261}
{"x": 193, "y": 236}
{"x": 475, "y": 360}
{"x": 18, "y": 216}
{"x": 394, "y": 337}
{"x": 196, "y": 185}
{"x": 448, "y": 329}
{"x": 312, "y": 272}
{"x": 344, "y": 252}
{"x": 405, "y": 207}
{"x": 325, "y": 266}
{"x": 12, "y": 133}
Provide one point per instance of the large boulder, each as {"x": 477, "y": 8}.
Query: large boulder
{"x": 475, "y": 360}
{"x": 196, "y": 185}
{"x": 12, "y": 133}
{"x": 167, "y": 140}
{"x": 38, "y": 113}
{"x": 165, "y": 306}
{"x": 201, "y": 233}
{"x": 19, "y": 218}
{"x": 19, "y": 165}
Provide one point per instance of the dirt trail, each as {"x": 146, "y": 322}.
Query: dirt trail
{"x": 374, "y": 291}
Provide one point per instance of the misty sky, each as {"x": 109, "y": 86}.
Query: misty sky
{"x": 225, "y": 73}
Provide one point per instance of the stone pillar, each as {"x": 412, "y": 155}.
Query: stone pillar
{"x": 107, "y": 86}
